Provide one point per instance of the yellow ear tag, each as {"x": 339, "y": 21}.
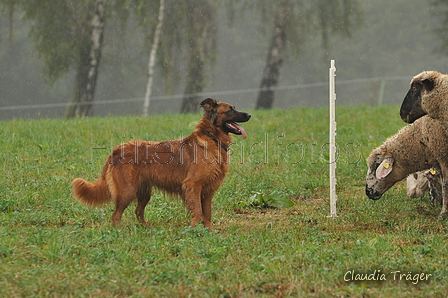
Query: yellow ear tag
{"x": 433, "y": 172}
{"x": 386, "y": 165}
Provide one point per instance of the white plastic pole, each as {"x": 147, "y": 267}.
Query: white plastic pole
{"x": 333, "y": 196}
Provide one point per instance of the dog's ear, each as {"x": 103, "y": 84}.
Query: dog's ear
{"x": 209, "y": 105}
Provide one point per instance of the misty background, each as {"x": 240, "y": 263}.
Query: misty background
{"x": 390, "y": 43}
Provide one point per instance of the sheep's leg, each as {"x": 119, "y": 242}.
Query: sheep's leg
{"x": 432, "y": 193}
{"x": 443, "y": 213}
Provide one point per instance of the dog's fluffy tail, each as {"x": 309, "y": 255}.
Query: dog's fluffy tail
{"x": 91, "y": 193}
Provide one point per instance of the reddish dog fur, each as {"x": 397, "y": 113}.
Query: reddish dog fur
{"x": 193, "y": 167}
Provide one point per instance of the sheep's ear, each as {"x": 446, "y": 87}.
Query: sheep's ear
{"x": 385, "y": 168}
{"x": 428, "y": 84}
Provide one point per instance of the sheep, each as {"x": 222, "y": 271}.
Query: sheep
{"x": 416, "y": 147}
{"x": 428, "y": 95}
{"x": 417, "y": 184}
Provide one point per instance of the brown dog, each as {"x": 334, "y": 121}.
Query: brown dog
{"x": 193, "y": 167}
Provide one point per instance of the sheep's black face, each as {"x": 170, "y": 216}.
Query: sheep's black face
{"x": 411, "y": 108}
{"x": 372, "y": 182}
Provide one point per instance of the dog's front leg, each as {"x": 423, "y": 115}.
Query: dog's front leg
{"x": 192, "y": 198}
{"x": 206, "y": 202}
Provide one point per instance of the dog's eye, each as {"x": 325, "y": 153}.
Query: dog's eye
{"x": 231, "y": 111}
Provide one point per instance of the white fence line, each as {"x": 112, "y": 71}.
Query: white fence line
{"x": 205, "y": 94}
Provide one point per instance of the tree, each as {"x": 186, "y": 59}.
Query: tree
{"x": 88, "y": 64}
{"x": 152, "y": 58}
{"x": 294, "y": 20}
{"x": 69, "y": 34}
{"x": 201, "y": 44}
{"x": 441, "y": 14}
{"x": 189, "y": 33}
{"x": 8, "y": 6}
{"x": 276, "y": 53}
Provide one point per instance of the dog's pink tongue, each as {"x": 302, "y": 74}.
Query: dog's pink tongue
{"x": 243, "y": 132}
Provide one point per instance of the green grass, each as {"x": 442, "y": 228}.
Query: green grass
{"x": 52, "y": 246}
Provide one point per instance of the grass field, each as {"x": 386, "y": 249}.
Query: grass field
{"x": 52, "y": 246}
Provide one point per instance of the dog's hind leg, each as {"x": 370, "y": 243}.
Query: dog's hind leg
{"x": 142, "y": 200}
{"x": 122, "y": 201}
{"x": 118, "y": 212}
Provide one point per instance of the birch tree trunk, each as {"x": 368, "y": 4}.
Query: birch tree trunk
{"x": 152, "y": 58}
{"x": 271, "y": 72}
{"x": 88, "y": 65}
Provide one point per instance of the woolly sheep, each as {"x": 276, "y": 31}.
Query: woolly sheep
{"x": 417, "y": 185}
{"x": 416, "y": 147}
{"x": 428, "y": 95}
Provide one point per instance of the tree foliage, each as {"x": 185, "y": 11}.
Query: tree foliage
{"x": 60, "y": 31}
{"x": 390, "y": 42}
{"x": 8, "y": 6}
{"x": 201, "y": 44}
{"x": 293, "y": 22}
{"x": 189, "y": 42}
